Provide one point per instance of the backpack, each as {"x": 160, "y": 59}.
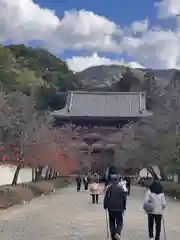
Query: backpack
{"x": 94, "y": 187}
{"x": 149, "y": 206}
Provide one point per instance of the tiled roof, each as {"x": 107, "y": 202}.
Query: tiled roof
{"x": 104, "y": 104}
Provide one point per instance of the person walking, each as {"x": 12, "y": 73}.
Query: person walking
{"x": 128, "y": 185}
{"x": 78, "y": 183}
{"x": 115, "y": 204}
{"x": 96, "y": 177}
{"x": 122, "y": 183}
{"x": 94, "y": 191}
{"x": 85, "y": 182}
{"x": 154, "y": 205}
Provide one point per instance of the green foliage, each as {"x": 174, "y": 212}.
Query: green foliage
{"x": 37, "y": 59}
{"x": 7, "y": 60}
{"x": 36, "y": 72}
{"x": 172, "y": 189}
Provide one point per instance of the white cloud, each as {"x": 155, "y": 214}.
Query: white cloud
{"x": 79, "y": 63}
{"x": 168, "y": 8}
{"x": 83, "y": 29}
{"x": 156, "y": 49}
{"x": 140, "y": 26}
{"x": 23, "y": 20}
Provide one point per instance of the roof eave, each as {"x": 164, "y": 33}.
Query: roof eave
{"x": 63, "y": 115}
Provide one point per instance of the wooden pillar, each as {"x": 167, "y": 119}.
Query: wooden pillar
{"x": 89, "y": 158}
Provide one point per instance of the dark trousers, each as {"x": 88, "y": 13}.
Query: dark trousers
{"x": 78, "y": 187}
{"x": 129, "y": 189}
{"x": 85, "y": 186}
{"x": 115, "y": 222}
{"x": 95, "y": 198}
{"x": 154, "y": 218}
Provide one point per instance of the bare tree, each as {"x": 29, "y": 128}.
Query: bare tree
{"x": 17, "y": 114}
{"x": 29, "y": 139}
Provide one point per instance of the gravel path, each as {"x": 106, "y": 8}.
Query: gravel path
{"x": 67, "y": 215}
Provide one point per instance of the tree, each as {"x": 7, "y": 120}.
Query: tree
{"x": 53, "y": 149}
{"x": 29, "y": 139}
{"x": 33, "y": 70}
{"x": 27, "y": 81}
{"x": 17, "y": 115}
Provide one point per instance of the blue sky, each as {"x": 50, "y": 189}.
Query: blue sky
{"x": 86, "y": 33}
{"x": 122, "y": 12}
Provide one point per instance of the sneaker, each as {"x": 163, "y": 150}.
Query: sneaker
{"x": 117, "y": 236}
{"x": 151, "y": 239}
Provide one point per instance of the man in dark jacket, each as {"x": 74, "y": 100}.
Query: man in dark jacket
{"x": 115, "y": 203}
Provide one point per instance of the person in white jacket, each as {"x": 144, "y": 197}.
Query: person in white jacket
{"x": 94, "y": 191}
{"x": 123, "y": 183}
{"x": 155, "y": 195}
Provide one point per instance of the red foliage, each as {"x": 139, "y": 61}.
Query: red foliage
{"x": 4, "y": 158}
{"x": 52, "y": 148}
{"x": 45, "y": 147}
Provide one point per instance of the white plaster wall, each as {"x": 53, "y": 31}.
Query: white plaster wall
{"x": 143, "y": 173}
{"x": 7, "y": 173}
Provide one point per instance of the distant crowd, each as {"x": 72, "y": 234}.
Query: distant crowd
{"x": 116, "y": 190}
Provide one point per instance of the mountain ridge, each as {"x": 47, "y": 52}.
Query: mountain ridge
{"x": 107, "y": 75}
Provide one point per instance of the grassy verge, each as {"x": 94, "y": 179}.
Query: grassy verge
{"x": 22, "y": 193}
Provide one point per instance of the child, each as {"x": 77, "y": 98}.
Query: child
{"x": 94, "y": 192}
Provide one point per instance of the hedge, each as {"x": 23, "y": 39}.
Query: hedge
{"x": 170, "y": 188}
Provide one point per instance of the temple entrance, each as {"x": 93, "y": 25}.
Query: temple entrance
{"x": 97, "y": 115}
{"x": 101, "y": 160}
{"x": 97, "y": 162}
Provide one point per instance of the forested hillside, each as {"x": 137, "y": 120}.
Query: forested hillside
{"x": 35, "y": 72}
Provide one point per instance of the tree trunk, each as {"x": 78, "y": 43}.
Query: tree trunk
{"x": 16, "y": 174}
{"x": 162, "y": 173}
{"x": 147, "y": 172}
{"x": 47, "y": 174}
{"x": 153, "y": 173}
{"x": 178, "y": 175}
{"x": 33, "y": 174}
{"x": 38, "y": 173}
{"x": 55, "y": 175}
{"x": 50, "y": 174}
